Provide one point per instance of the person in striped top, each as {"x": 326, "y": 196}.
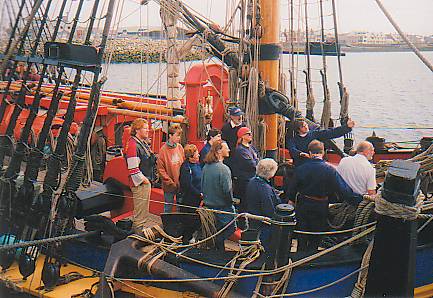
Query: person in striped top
{"x": 141, "y": 162}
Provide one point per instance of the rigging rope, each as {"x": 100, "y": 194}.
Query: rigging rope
{"x": 404, "y": 37}
{"x": 45, "y": 241}
{"x": 326, "y": 112}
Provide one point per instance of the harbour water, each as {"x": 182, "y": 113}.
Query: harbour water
{"x": 389, "y": 91}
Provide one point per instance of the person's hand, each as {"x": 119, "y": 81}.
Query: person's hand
{"x": 369, "y": 198}
{"x": 304, "y": 155}
{"x": 350, "y": 123}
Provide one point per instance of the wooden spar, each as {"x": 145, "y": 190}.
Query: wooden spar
{"x": 169, "y": 19}
{"x": 269, "y": 65}
{"x": 293, "y": 91}
{"x": 145, "y": 107}
{"x": 310, "y": 97}
{"x": 115, "y": 111}
{"x": 110, "y": 100}
{"x": 126, "y": 104}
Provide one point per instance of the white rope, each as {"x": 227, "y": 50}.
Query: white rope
{"x": 267, "y": 273}
{"x": 395, "y": 210}
{"x": 315, "y": 289}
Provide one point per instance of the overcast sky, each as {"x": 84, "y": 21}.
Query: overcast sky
{"x": 413, "y": 16}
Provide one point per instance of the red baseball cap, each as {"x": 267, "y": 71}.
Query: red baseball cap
{"x": 243, "y": 131}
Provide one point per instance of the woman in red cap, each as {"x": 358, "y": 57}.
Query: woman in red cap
{"x": 244, "y": 164}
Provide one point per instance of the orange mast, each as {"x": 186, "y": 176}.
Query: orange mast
{"x": 269, "y": 64}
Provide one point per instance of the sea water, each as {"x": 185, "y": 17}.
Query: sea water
{"x": 390, "y": 91}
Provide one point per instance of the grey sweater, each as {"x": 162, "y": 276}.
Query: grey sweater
{"x": 216, "y": 184}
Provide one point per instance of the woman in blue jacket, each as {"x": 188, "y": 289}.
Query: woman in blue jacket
{"x": 190, "y": 179}
{"x": 190, "y": 190}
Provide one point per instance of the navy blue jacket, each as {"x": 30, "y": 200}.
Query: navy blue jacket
{"x": 190, "y": 183}
{"x": 298, "y": 144}
{"x": 316, "y": 178}
{"x": 203, "y": 152}
{"x": 261, "y": 197}
{"x": 261, "y": 200}
{"x": 244, "y": 162}
{"x": 230, "y": 135}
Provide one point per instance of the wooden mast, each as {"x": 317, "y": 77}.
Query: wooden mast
{"x": 269, "y": 63}
{"x": 169, "y": 19}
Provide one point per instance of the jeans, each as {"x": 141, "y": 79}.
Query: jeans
{"x": 169, "y": 201}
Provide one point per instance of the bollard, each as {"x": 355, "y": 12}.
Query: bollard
{"x": 281, "y": 236}
{"x": 392, "y": 264}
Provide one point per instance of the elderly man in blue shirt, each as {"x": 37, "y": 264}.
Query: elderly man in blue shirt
{"x": 314, "y": 181}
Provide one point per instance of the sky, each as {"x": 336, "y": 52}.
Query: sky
{"x": 413, "y": 16}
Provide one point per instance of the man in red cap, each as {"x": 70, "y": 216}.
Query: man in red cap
{"x": 244, "y": 164}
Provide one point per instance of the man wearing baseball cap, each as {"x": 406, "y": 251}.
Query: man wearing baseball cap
{"x": 244, "y": 163}
{"x": 230, "y": 129}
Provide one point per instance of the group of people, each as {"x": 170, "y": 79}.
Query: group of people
{"x": 315, "y": 181}
{"x": 20, "y": 72}
{"x": 228, "y": 166}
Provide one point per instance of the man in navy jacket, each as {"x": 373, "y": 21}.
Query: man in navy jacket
{"x": 314, "y": 181}
{"x": 298, "y": 144}
{"x": 229, "y": 131}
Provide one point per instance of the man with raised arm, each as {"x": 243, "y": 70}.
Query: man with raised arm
{"x": 298, "y": 144}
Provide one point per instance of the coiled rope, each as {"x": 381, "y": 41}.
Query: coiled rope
{"x": 394, "y": 210}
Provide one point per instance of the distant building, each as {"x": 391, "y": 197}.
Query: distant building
{"x": 347, "y": 39}
{"x": 300, "y": 38}
{"x": 370, "y": 38}
{"x": 154, "y": 33}
{"x": 428, "y": 40}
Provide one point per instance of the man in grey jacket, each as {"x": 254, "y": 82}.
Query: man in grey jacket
{"x": 217, "y": 189}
